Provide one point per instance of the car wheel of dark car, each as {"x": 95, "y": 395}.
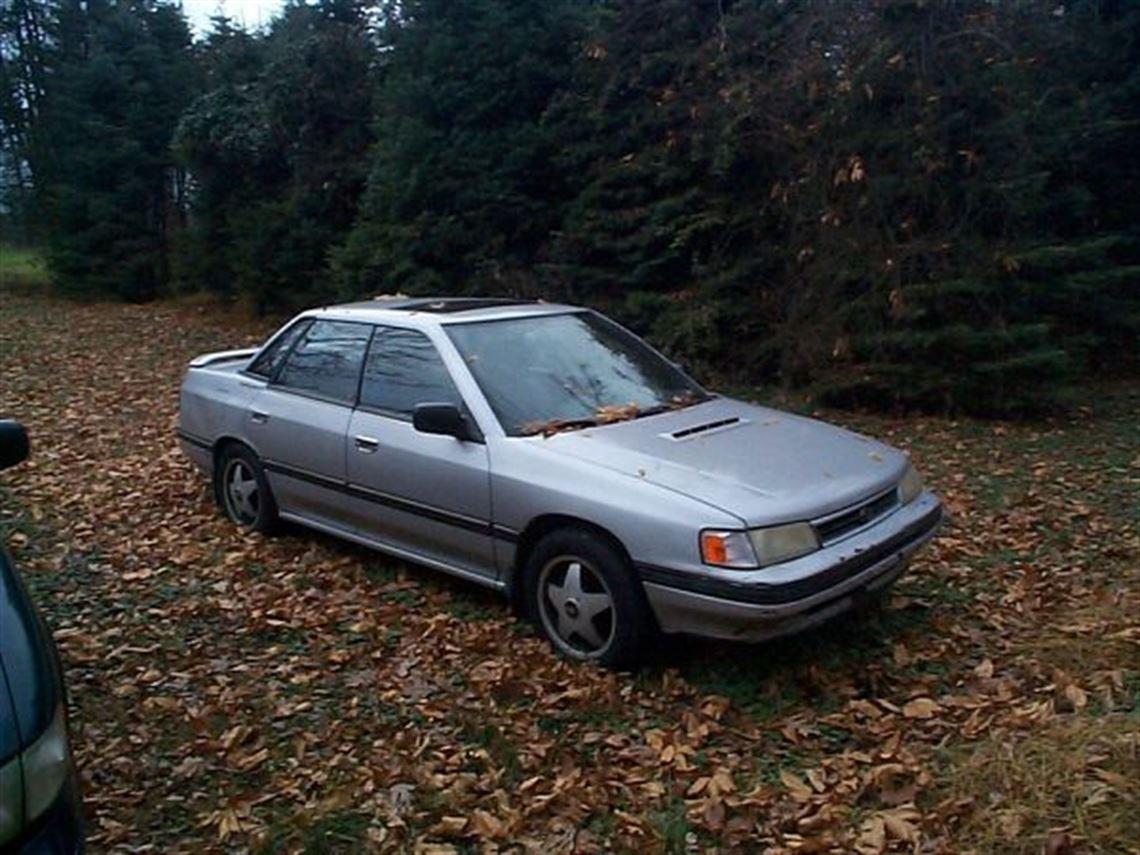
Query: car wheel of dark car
{"x": 242, "y": 490}
{"x": 582, "y": 595}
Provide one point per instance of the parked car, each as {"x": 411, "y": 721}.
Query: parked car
{"x": 547, "y": 452}
{"x": 40, "y": 810}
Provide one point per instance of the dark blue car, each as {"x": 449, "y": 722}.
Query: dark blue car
{"x": 40, "y": 808}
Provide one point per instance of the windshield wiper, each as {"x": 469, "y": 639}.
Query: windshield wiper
{"x": 678, "y": 403}
{"x": 610, "y": 414}
{"x": 553, "y": 426}
{"x": 657, "y": 409}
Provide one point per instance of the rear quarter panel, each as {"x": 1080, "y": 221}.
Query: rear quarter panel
{"x": 214, "y": 400}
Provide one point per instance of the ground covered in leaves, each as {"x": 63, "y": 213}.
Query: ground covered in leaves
{"x": 234, "y": 693}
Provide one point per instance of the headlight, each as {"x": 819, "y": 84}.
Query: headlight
{"x": 760, "y": 547}
{"x": 910, "y": 486}
{"x": 46, "y": 767}
{"x": 46, "y": 764}
{"x": 11, "y": 799}
{"x": 727, "y": 549}
{"x": 783, "y": 542}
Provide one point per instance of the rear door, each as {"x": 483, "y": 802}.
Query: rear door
{"x": 427, "y": 494}
{"x": 298, "y": 422}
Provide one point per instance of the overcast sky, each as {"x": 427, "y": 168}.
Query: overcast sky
{"x": 246, "y": 13}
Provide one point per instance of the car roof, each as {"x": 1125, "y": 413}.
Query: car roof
{"x": 443, "y": 310}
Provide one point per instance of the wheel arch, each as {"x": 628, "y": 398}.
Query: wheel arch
{"x": 219, "y": 447}
{"x": 266, "y": 519}
{"x": 225, "y": 441}
{"x": 543, "y": 525}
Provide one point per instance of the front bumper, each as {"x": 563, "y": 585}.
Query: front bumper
{"x": 760, "y": 604}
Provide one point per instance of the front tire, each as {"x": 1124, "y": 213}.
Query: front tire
{"x": 582, "y": 595}
{"x": 242, "y": 490}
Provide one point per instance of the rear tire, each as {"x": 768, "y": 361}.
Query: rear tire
{"x": 582, "y": 595}
{"x": 242, "y": 490}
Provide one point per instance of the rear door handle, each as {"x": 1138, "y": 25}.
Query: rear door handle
{"x": 258, "y": 417}
{"x": 366, "y": 444}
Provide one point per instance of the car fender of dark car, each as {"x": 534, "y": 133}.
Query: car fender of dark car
{"x": 40, "y": 808}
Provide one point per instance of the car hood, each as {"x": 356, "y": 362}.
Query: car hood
{"x": 762, "y": 465}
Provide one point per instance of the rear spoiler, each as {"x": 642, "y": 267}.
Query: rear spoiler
{"x": 222, "y": 356}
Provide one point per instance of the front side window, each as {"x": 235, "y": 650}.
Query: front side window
{"x": 270, "y": 359}
{"x": 404, "y": 369}
{"x": 327, "y": 359}
{"x": 549, "y": 371}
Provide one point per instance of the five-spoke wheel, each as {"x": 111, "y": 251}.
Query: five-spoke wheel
{"x": 242, "y": 490}
{"x": 577, "y": 608}
{"x": 583, "y": 596}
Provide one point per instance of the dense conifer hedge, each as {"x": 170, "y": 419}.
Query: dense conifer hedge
{"x": 893, "y": 202}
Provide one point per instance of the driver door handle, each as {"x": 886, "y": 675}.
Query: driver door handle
{"x": 258, "y": 417}
{"x": 366, "y": 444}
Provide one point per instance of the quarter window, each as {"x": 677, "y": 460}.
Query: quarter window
{"x": 404, "y": 369}
{"x": 270, "y": 359}
{"x": 327, "y": 360}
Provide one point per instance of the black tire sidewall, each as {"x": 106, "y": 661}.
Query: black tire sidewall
{"x": 634, "y": 626}
{"x": 267, "y": 518}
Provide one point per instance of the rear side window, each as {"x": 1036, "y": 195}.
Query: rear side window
{"x": 326, "y": 360}
{"x": 404, "y": 369}
{"x": 270, "y": 359}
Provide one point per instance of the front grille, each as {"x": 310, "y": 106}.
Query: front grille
{"x": 832, "y": 528}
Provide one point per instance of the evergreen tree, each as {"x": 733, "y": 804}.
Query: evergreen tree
{"x": 894, "y": 202}
{"x": 277, "y": 152}
{"x": 25, "y": 55}
{"x": 463, "y": 189}
{"x": 654, "y": 231}
{"x": 106, "y": 184}
{"x": 969, "y": 127}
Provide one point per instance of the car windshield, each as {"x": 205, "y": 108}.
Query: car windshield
{"x": 550, "y": 373}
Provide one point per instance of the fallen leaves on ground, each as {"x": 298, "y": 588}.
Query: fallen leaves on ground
{"x": 232, "y": 692}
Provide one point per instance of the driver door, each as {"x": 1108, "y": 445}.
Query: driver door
{"x": 428, "y": 494}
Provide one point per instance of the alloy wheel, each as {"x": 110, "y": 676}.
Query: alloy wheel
{"x": 241, "y": 492}
{"x": 576, "y": 607}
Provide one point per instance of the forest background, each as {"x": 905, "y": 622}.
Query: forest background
{"x": 889, "y": 203}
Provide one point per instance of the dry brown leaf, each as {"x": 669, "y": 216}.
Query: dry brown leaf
{"x": 487, "y": 825}
{"x": 898, "y": 825}
{"x": 921, "y": 708}
{"x": 450, "y": 826}
{"x": 872, "y": 839}
{"x": 1077, "y": 696}
{"x": 799, "y": 791}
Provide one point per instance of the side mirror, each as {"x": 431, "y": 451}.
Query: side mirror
{"x": 445, "y": 419}
{"x": 13, "y": 443}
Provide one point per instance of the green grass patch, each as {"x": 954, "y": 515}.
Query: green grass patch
{"x": 473, "y": 607}
{"x": 338, "y": 832}
{"x": 22, "y": 269}
{"x": 768, "y": 680}
{"x": 672, "y": 826}
{"x": 498, "y": 746}
{"x": 1071, "y": 772}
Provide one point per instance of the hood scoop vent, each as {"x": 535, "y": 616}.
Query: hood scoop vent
{"x": 696, "y": 430}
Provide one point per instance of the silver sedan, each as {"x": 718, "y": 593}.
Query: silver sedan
{"x": 545, "y": 451}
